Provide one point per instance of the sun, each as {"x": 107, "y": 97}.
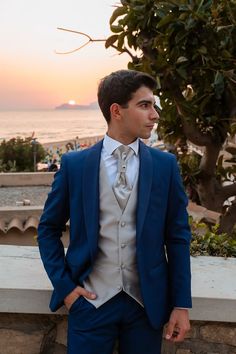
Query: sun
{"x": 71, "y": 102}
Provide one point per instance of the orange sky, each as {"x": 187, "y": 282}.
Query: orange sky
{"x": 32, "y": 76}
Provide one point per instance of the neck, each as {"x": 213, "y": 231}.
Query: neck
{"x": 122, "y": 138}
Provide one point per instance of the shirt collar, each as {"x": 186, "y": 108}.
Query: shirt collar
{"x": 110, "y": 145}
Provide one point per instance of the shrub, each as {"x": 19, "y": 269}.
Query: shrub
{"x": 207, "y": 242}
{"x": 17, "y": 154}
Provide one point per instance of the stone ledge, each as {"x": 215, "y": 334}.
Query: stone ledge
{"x": 16, "y": 179}
{"x": 25, "y": 287}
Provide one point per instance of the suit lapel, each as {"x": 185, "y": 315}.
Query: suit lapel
{"x": 144, "y": 186}
{"x": 91, "y": 195}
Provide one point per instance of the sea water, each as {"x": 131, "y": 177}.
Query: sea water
{"x": 51, "y": 125}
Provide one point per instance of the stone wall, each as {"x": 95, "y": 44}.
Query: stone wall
{"x": 46, "y": 334}
{"x": 28, "y": 327}
{"x": 206, "y": 338}
{"x": 26, "y": 179}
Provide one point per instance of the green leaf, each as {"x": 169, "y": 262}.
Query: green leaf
{"x": 116, "y": 29}
{"x": 190, "y": 23}
{"x": 202, "y": 50}
{"x": 131, "y": 40}
{"x": 158, "y": 82}
{"x": 139, "y": 8}
{"x": 111, "y": 40}
{"x": 181, "y": 60}
{"x": 182, "y": 72}
{"x": 233, "y": 129}
{"x": 219, "y": 84}
{"x": 121, "y": 38}
{"x": 165, "y": 21}
{"x": 119, "y": 11}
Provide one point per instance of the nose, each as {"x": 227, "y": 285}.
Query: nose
{"x": 154, "y": 114}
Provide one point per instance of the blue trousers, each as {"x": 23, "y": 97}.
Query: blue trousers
{"x": 94, "y": 331}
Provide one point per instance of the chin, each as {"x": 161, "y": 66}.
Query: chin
{"x": 145, "y": 136}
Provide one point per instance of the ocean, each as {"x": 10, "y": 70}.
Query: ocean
{"x": 51, "y": 125}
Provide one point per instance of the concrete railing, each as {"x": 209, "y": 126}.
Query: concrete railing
{"x": 18, "y": 179}
{"x": 20, "y": 212}
{"x": 25, "y": 292}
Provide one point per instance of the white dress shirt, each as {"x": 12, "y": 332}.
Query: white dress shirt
{"x": 109, "y": 146}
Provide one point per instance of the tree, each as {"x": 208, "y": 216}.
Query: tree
{"x": 17, "y": 154}
{"x": 189, "y": 46}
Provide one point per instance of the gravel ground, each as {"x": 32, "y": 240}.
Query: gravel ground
{"x": 10, "y": 195}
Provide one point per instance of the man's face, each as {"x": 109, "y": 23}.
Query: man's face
{"x": 138, "y": 119}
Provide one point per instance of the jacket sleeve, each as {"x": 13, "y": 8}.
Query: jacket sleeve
{"x": 52, "y": 223}
{"x": 178, "y": 236}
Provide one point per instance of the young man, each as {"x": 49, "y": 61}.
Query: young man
{"x": 127, "y": 269}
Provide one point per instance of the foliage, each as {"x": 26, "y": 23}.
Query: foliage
{"x": 189, "y": 46}
{"x": 207, "y": 242}
{"x": 17, "y": 154}
{"x": 180, "y": 43}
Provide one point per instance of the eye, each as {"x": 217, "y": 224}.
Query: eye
{"x": 144, "y": 105}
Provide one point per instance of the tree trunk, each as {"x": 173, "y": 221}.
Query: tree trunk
{"x": 228, "y": 220}
{"x": 211, "y": 193}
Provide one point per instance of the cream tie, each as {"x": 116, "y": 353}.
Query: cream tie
{"x": 121, "y": 187}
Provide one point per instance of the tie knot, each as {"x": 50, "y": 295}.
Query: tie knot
{"x": 123, "y": 152}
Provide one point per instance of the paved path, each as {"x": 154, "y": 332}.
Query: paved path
{"x": 10, "y": 195}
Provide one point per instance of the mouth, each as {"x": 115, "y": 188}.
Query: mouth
{"x": 150, "y": 126}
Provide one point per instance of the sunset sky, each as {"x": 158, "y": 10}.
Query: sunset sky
{"x": 32, "y": 76}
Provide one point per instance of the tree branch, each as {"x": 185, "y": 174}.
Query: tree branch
{"x": 209, "y": 159}
{"x": 125, "y": 50}
{"x": 83, "y": 45}
{"x": 91, "y": 40}
{"x": 190, "y": 129}
{"x": 229, "y": 191}
{"x": 193, "y": 134}
{"x": 228, "y": 220}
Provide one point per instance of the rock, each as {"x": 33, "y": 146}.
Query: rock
{"x": 219, "y": 334}
{"x": 12, "y": 341}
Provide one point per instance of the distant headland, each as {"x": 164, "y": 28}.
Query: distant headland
{"x": 92, "y": 105}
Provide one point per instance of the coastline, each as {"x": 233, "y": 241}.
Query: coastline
{"x": 60, "y": 146}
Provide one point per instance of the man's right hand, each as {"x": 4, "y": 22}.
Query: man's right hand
{"x": 75, "y": 294}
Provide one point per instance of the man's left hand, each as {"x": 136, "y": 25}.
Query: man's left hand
{"x": 178, "y": 325}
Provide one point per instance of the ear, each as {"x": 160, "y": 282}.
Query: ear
{"x": 115, "y": 111}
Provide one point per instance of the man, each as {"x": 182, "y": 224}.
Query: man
{"x": 127, "y": 268}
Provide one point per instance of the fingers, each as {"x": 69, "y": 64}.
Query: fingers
{"x": 174, "y": 333}
{"x": 178, "y": 335}
{"x": 178, "y": 325}
{"x": 170, "y": 330}
{"x": 77, "y": 292}
{"x": 85, "y": 293}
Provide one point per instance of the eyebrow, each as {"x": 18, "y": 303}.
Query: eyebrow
{"x": 146, "y": 101}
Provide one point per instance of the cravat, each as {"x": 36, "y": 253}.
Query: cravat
{"x": 121, "y": 186}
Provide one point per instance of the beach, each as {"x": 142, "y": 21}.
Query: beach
{"x": 57, "y": 147}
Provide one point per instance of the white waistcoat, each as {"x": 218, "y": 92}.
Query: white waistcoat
{"x": 115, "y": 268}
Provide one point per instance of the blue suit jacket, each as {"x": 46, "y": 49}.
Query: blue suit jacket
{"x": 162, "y": 230}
